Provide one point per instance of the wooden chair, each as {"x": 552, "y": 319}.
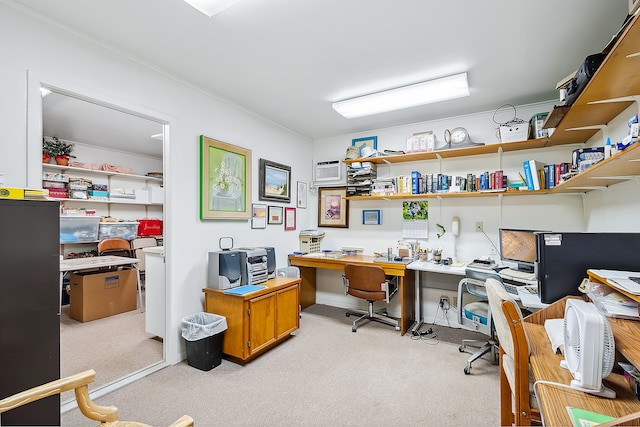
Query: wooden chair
{"x": 114, "y": 246}
{"x": 517, "y": 402}
{"x": 106, "y": 415}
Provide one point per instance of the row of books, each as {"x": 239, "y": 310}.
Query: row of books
{"x": 539, "y": 176}
{"x": 418, "y": 183}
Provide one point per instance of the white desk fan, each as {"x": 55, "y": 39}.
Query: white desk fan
{"x": 589, "y": 347}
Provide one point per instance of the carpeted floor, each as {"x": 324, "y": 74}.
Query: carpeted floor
{"x": 324, "y": 375}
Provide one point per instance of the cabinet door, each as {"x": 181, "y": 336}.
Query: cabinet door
{"x": 287, "y": 304}
{"x": 262, "y": 322}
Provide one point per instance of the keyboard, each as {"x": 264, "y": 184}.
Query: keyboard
{"x": 512, "y": 289}
{"x": 481, "y": 265}
{"x": 517, "y": 274}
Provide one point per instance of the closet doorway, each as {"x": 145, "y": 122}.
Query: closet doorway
{"x": 107, "y": 137}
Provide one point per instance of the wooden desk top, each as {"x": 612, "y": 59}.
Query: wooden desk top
{"x": 277, "y": 283}
{"x": 95, "y": 262}
{"x": 545, "y": 366}
{"x": 391, "y": 268}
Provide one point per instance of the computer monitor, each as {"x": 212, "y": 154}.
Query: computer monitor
{"x": 518, "y": 246}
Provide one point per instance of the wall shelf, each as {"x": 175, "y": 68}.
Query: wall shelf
{"x": 610, "y": 91}
{"x": 71, "y": 169}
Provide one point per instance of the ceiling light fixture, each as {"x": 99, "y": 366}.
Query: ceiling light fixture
{"x": 428, "y": 92}
{"x": 211, "y": 7}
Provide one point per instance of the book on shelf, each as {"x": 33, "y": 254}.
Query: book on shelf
{"x": 532, "y": 174}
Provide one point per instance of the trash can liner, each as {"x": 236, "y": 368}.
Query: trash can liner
{"x": 202, "y": 325}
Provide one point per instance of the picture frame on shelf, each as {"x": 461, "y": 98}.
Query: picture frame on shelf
{"x": 274, "y": 182}
{"x": 370, "y": 141}
{"x": 225, "y": 180}
{"x": 371, "y": 217}
{"x": 275, "y": 215}
{"x": 259, "y": 216}
{"x": 333, "y": 208}
{"x": 302, "y": 195}
{"x": 289, "y": 218}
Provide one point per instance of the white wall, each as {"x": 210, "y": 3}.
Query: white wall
{"x": 63, "y": 60}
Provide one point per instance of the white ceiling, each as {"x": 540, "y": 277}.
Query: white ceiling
{"x": 288, "y": 60}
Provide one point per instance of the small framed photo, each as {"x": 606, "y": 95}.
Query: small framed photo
{"x": 289, "y": 218}
{"x": 370, "y": 141}
{"x": 333, "y": 208}
{"x": 275, "y": 215}
{"x": 259, "y": 216}
{"x": 302, "y": 195}
{"x": 274, "y": 182}
{"x": 371, "y": 217}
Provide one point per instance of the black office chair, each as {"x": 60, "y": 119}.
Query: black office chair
{"x": 370, "y": 283}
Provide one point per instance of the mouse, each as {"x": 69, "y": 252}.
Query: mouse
{"x": 398, "y": 258}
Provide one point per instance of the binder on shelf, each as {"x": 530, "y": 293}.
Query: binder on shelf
{"x": 531, "y": 174}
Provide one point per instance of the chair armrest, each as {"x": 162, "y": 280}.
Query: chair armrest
{"x": 345, "y": 283}
{"x": 183, "y": 421}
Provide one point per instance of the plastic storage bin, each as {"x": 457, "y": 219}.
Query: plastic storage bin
{"x": 78, "y": 229}
{"x": 203, "y": 334}
{"x": 150, "y": 227}
{"x": 124, "y": 230}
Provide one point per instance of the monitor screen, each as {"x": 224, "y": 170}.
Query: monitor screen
{"x": 518, "y": 246}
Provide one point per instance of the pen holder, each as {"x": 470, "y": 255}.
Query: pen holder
{"x": 437, "y": 258}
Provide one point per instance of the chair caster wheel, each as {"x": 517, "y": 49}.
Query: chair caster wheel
{"x": 467, "y": 371}
{"x": 354, "y": 329}
{"x": 461, "y": 348}
{"x": 347, "y": 314}
{"x": 397, "y": 328}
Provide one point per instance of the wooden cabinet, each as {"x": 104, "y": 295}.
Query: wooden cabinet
{"x": 612, "y": 89}
{"x": 259, "y": 320}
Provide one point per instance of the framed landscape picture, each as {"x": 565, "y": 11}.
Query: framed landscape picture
{"x": 274, "y": 182}
{"x": 225, "y": 180}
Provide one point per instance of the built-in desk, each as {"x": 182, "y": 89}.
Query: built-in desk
{"x": 545, "y": 366}
{"x": 308, "y": 265}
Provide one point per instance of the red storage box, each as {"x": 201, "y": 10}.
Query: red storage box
{"x": 150, "y": 227}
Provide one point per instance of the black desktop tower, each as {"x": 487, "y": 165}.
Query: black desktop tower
{"x": 271, "y": 261}
{"x": 564, "y": 258}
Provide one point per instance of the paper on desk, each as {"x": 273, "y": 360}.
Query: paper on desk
{"x": 555, "y": 331}
{"x": 620, "y": 279}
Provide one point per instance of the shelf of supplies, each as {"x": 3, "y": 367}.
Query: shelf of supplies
{"x": 456, "y": 152}
{"x": 112, "y": 201}
{"x": 617, "y": 78}
{"x": 75, "y": 170}
{"x": 617, "y": 168}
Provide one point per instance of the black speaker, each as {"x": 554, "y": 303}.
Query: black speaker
{"x": 271, "y": 261}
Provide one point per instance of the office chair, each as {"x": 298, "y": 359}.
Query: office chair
{"x": 136, "y": 246}
{"x": 517, "y": 402}
{"x": 474, "y": 313}
{"x": 370, "y": 283}
{"x": 289, "y": 272}
{"x": 120, "y": 247}
{"x": 107, "y": 415}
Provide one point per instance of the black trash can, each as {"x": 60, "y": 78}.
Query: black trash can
{"x": 203, "y": 333}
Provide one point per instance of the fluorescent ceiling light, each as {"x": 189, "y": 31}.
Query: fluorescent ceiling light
{"x": 211, "y": 7}
{"x": 428, "y": 92}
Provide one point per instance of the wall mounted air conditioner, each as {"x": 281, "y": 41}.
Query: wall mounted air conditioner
{"x": 328, "y": 171}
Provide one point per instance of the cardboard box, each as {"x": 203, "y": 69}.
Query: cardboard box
{"x": 94, "y": 295}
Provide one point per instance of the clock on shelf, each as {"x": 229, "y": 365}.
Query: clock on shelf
{"x": 457, "y": 138}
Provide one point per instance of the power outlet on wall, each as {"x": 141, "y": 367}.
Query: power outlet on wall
{"x": 479, "y": 226}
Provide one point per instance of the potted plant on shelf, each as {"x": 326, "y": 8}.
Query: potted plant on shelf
{"x": 58, "y": 148}
{"x": 48, "y": 148}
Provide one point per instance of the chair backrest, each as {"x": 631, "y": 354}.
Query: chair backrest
{"x": 114, "y": 246}
{"x": 142, "y": 242}
{"x": 514, "y": 351}
{"x": 289, "y": 272}
{"x": 366, "y": 281}
{"x": 472, "y": 289}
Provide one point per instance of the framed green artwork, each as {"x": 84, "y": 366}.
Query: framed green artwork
{"x": 225, "y": 180}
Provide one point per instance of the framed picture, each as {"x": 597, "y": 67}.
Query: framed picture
{"x": 371, "y": 217}
{"x": 302, "y": 195}
{"x": 225, "y": 180}
{"x": 289, "y": 218}
{"x": 370, "y": 141}
{"x": 333, "y": 209}
{"x": 274, "y": 182}
{"x": 259, "y": 216}
{"x": 275, "y": 215}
